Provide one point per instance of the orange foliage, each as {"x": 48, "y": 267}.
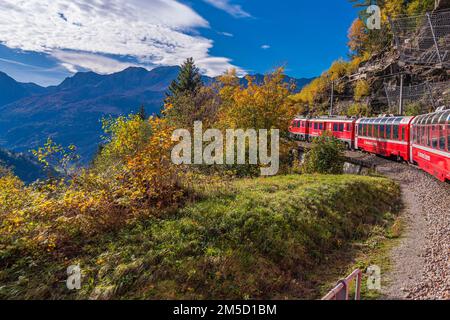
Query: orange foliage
{"x": 357, "y": 36}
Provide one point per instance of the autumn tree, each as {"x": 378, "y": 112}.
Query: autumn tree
{"x": 358, "y": 37}
{"x": 259, "y": 106}
{"x": 54, "y": 156}
{"x": 188, "y": 100}
{"x": 184, "y": 109}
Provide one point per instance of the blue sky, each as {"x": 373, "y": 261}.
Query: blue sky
{"x": 45, "y": 41}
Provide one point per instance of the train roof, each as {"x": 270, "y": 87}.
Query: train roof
{"x": 332, "y": 119}
{"x": 438, "y": 117}
{"x": 391, "y": 120}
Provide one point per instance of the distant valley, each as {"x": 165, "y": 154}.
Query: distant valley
{"x": 71, "y": 112}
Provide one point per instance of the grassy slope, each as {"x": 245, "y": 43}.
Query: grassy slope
{"x": 261, "y": 238}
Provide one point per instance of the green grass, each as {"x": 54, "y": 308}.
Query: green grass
{"x": 266, "y": 238}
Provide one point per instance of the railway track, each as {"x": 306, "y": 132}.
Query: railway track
{"x": 421, "y": 262}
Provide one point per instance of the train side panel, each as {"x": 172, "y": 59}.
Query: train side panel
{"x": 389, "y": 136}
{"x": 430, "y": 148}
{"x": 299, "y": 129}
{"x": 343, "y": 130}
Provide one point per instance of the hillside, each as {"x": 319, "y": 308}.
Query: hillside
{"x": 252, "y": 239}
{"x": 408, "y": 55}
{"x": 71, "y": 112}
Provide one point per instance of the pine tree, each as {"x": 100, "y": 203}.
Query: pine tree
{"x": 188, "y": 80}
{"x": 142, "y": 114}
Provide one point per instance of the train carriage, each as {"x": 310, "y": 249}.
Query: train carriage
{"x": 342, "y": 129}
{"x": 430, "y": 146}
{"x": 316, "y": 128}
{"x": 386, "y": 136}
{"x": 299, "y": 129}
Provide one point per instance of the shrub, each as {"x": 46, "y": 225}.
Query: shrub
{"x": 54, "y": 214}
{"x": 362, "y": 89}
{"x": 256, "y": 239}
{"x": 358, "y": 109}
{"x": 325, "y": 156}
{"x": 414, "y": 109}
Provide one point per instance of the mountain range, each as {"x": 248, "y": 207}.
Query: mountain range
{"x": 70, "y": 113}
{"x": 23, "y": 166}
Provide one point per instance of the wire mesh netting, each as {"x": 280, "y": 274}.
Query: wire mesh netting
{"x": 425, "y": 96}
{"x": 423, "y": 39}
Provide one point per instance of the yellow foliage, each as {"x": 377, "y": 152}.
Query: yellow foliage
{"x": 259, "y": 106}
{"x": 362, "y": 89}
{"x": 49, "y": 215}
{"x": 357, "y": 36}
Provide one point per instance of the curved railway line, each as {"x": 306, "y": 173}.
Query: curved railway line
{"x": 421, "y": 262}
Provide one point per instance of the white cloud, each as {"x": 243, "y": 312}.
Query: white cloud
{"x": 265, "y": 47}
{"x": 226, "y": 34}
{"x": 233, "y": 9}
{"x": 96, "y": 63}
{"x": 79, "y": 33}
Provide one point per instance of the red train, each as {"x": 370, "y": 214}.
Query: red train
{"x": 423, "y": 140}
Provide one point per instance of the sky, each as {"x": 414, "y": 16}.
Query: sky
{"x": 45, "y": 41}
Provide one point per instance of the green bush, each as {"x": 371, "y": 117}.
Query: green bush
{"x": 413, "y": 109}
{"x": 326, "y": 156}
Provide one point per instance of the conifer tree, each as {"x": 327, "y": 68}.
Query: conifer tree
{"x": 188, "y": 80}
{"x": 142, "y": 114}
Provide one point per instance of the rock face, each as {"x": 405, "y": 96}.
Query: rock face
{"x": 442, "y": 4}
{"x": 426, "y": 79}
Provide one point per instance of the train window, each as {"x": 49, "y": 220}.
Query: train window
{"x": 443, "y": 118}
{"x": 423, "y": 136}
{"x": 415, "y": 130}
{"x": 321, "y": 126}
{"x": 315, "y": 125}
{"x": 416, "y": 134}
{"x": 341, "y": 127}
{"x": 395, "y": 132}
{"x": 448, "y": 137}
{"x": 434, "y": 139}
{"x": 382, "y": 133}
{"x": 403, "y": 134}
{"x": 388, "y": 132}
{"x": 441, "y": 137}
{"x": 375, "y": 130}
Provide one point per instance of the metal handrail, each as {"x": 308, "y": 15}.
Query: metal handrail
{"x": 341, "y": 290}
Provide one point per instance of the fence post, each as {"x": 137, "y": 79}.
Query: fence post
{"x": 434, "y": 37}
{"x": 400, "y": 102}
